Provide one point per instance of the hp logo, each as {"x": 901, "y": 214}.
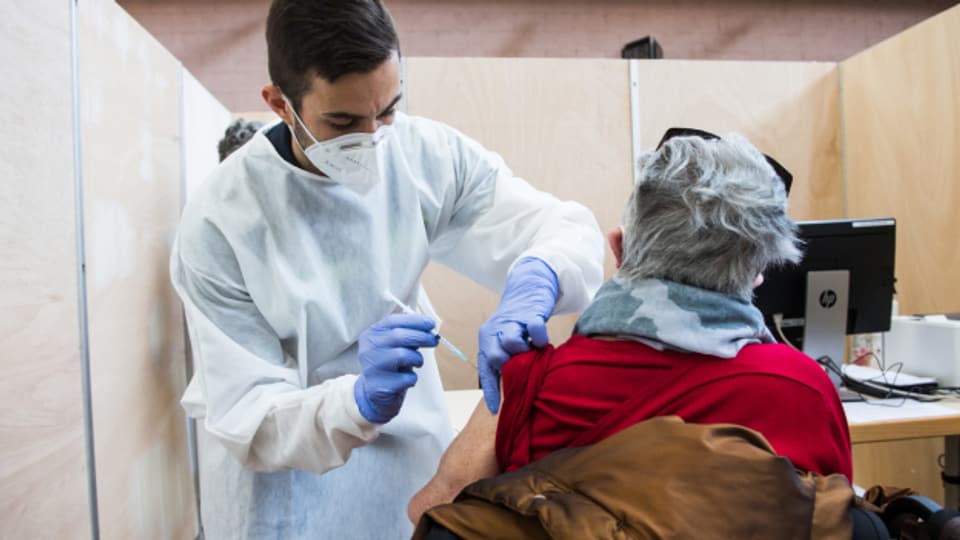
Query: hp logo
{"x": 828, "y": 298}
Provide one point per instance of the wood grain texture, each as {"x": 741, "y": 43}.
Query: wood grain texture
{"x": 901, "y": 119}
{"x": 204, "y": 121}
{"x": 132, "y": 177}
{"x": 905, "y": 429}
{"x": 912, "y": 463}
{"x": 42, "y": 451}
{"x": 789, "y": 110}
{"x": 562, "y": 125}
{"x": 902, "y": 138}
{"x": 260, "y": 116}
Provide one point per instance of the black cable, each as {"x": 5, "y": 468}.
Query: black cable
{"x": 873, "y": 389}
{"x": 896, "y": 368}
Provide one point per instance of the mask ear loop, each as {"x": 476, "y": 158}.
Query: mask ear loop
{"x": 299, "y": 122}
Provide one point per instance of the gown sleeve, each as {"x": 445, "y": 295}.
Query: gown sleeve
{"x": 498, "y": 219}
{"x": 247, "y": 392}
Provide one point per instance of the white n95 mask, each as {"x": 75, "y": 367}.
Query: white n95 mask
{"x": 354, "y": 160}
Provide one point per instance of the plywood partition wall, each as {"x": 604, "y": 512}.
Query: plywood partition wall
{"x": 264, "y": 117}
{"x": 790, "y": 110}
{"x": 562, "y": 125}
{"x": 132, "y": 177}
{"x": 901, "y": 103}
{"x": 204, "y": 122}
{"x": 42, "y": 452}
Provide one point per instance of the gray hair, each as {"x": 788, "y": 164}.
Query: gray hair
{"x": 236, "y": 135}
{"x": 707, "y": 213}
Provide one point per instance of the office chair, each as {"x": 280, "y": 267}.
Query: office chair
{"x": 919, "y": 518}
{"x": 868, "y": 525}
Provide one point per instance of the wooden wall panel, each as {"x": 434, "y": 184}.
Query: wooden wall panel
{"x": 260, "y": 116}
{"x": 789, "y": 110}
{"x": 902, "y": 137}
{"x": 42, "y": 451}
{"x": 204, "y": 121}
{"x": 901, "y": 116}
{"x": 912, "y": 463}
{"x": 563, "y": 125}
{"x": 132, "y": 178}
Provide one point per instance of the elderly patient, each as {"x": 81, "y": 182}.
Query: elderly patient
{"x": 674, "y": 331}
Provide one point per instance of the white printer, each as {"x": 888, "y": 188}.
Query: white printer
{"x": 927, "y": 345}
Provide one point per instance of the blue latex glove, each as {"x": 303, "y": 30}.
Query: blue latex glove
{"x": 519, "y": 321}
{"x": 388, "y": 354}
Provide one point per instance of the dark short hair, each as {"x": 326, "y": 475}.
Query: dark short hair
{"x": 326, "y": 38}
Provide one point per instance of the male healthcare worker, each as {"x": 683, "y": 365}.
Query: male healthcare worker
{"x": 320, "y": 404}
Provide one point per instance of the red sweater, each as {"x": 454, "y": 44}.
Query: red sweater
{"x": 586, "y": 390}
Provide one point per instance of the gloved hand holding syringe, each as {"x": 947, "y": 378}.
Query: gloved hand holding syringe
{"x": 446, "y": 342}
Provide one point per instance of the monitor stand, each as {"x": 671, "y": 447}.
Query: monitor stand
{"x": 825, "y": 325}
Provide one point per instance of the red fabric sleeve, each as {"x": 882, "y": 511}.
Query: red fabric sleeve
{"x": 521, "y": 378}
{"x": 799, "y": 422}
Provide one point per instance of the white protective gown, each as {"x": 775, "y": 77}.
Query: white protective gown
{"x": 280, "y": 270}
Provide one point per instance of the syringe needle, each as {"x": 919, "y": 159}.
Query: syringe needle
{"x": 446, "y": 342}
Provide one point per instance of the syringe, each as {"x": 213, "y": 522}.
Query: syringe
{"x": 446, "y": 342}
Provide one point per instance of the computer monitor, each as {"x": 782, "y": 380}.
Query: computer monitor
{"x": 844, "y": 285}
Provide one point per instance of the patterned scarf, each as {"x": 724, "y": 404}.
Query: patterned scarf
{"x": 668, "y": 315}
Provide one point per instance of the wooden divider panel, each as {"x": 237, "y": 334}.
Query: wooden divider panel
{"x": 42, "y": 453}
{"x": 132, "y": 177}
{"x": 204, "y": 121}
{"x": 901, "y": 107}
{"x": 562, "y": 125}
{"x": 789, "y": 110}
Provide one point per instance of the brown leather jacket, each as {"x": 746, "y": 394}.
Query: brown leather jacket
{"x": 661, "y": 478}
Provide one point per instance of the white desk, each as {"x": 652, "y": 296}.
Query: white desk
{"x": 461, "y": 404}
